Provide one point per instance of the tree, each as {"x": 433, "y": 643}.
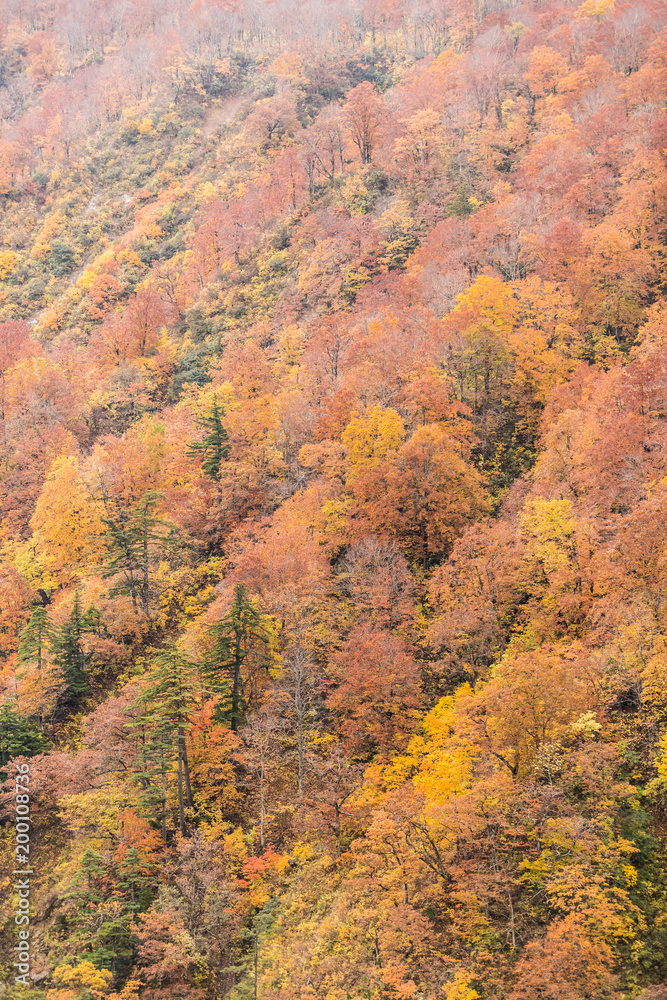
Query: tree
{"x": 67, "y": 521}
{"x": 565, "y": 962}
{"x": 137, "y": 859}
{"x": 423, "y": 494}
{"x": 167, "y": 959}
{"x": 134, "y": 537}
{"x": 376, "y": 693}
{"x": 70, "y": 655}
{"x": 214, "y": 449}
{"x": 35, "y": 641}
{"x": 18, "y": 737}
{"x": 36, "y": 637}
{"x": 260, "y": 736}
{"x": 240, "y": 652}
{"x": 168, "y": 699}
{"x": 368, "y": 438}
{"x": 143, "y": 319}
{"x": 363, "y": 112}
{"x": 376, "y": 576}
{"x": 297, "y": 692}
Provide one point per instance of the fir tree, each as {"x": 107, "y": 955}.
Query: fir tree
{"x": 133, "y": 539}
{"x": 71, "y": 657}
{"x": 241, "y": 646}
{"x": 18, "y": 737}
{"x": 35, "y": 637}
{"x": 168, "y": 701}
{"x": 214, "y": 449}
{"x": 136, "y": 880}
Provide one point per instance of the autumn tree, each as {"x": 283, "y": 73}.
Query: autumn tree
{"x": 423, "y": 494}
{"x": 363, "y": 115}
{"x": 298, "y": 691}
{"x": 376, "y": 692}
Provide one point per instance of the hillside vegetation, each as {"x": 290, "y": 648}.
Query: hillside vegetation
{"x": 333, "y": 499}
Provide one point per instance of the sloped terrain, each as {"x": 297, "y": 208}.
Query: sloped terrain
{"x": 333, "y": 355}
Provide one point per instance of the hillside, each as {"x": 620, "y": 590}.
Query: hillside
{"x": 333, "y": 500}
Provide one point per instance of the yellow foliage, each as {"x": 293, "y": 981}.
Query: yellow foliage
{"x": 131, "y": 257}
{"x": 438, "y": 757}
{"x": 550, "y": 527}
{"x": 492, "y": 303}
{"x": 461, "y": 989}
{"x": 70, "y": 982}
{"x": 586, "y": 725}
{"x": 87, "y": 279}
{"x": 205, "y": 192}
{"x": 67, "y": 521}
{"x": 447, "y": 759}
{"x": 8, "y": 260}
{"x": 129, "y": 992}
{"x": 597, "y": 10}
{"x": 661, "y": 761}
{"x": 95, "y": 811}
{"x": 367, "y": 439}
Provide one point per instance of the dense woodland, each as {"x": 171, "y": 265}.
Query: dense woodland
{"x": 333, "y": 497}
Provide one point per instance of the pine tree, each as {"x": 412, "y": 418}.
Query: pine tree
{"x": 241, "y": 646}
{"x": 214, "y": 449}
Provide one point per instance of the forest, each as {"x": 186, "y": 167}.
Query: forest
{"x": 333, "y": 500}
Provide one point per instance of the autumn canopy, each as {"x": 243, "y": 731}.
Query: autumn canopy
{"x": 333, "y": 498}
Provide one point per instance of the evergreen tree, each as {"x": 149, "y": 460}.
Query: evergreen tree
{"x": 18, "y": 737}
{"x": 168, "y": 701}
{"x": 154, "y": 762}
{"x": 70, "y": 656}
{"x": 35, "y": 637}
{"x": 133, "y": 539}
{"x": 107, "y": 943}
{"x": 214, "y": 449}
{"x": 136, "y": 881}
{"x": 240, "y": 650}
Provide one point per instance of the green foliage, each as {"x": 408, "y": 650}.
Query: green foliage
{"x": 18, "y": 736}
{"x": 135, "y": 537}
{"x": 36, "y": 637}
{"x": 240, "y": 650}
{"x": 62, "y": 259}
{"x": 214, "y": 449}
{"x": 69, "y": 653}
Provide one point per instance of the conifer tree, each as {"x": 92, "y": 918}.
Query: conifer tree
{"x": 168, "y": 702}
{"x": 241, "y": 646}
{"x": 18, "y": 737}
{"x": 35, "y": 637}
{"x": 133, "y": 539}
{"x": 214, "y": 449}
{"x": 136, "y": 880}
{"x": 70, "y": 655}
